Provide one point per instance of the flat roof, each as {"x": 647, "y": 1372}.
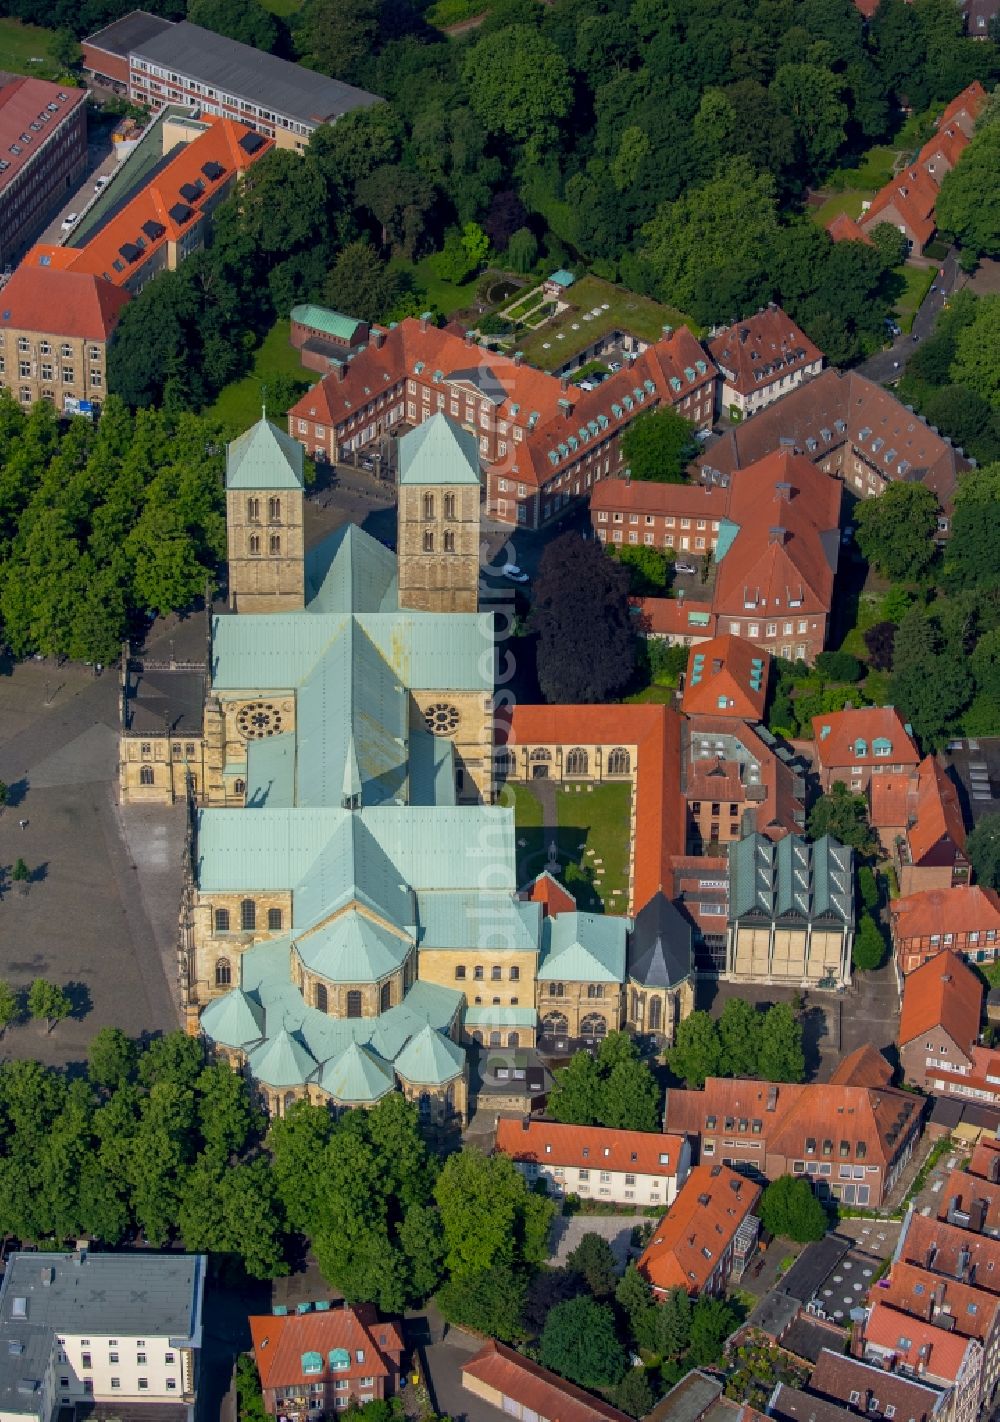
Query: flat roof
{"x": 122, "y": 36}
{"x": 249, "y": 73}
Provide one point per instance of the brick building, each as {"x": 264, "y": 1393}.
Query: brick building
{"x": 542, "y": 440}
{"x": 850, "y": 1142}
{"x": 956, "y": 1307}
{"x": 965, "y": 919}
{"x": 625, "y": 1167}
{"x": 761, "y": 359}
{"x": 736, "y": 780}
{"x": 896, "y": 1340}
{"x": 520, "y": 1388}
{"x": 324, "y": 337}
{"x": 919, "y": 821}
{"x": 43, "y": 154}
{"x": 868, "y": 1389}
{"x": 939, "y": 1018}
{"x": 708, "y": 1235}
{"x": 858, "y": 743}
{"x": 680, "y": 621}
{"x": 325, "y": 1360}
{"x": 726, "y": 677}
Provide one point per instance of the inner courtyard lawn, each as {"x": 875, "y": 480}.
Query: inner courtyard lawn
{"x": 589, "y": 825}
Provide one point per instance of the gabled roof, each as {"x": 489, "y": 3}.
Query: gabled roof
{"x": 660, "y": 952}
{"x": 791, "y": 879}
{"x": 852, "y": 736}
{"x": 439, "y": 451}
{"x": 430, "y": 1059}
{"x": 666, "y": 616}
{"x": 264, "y": 457}
{"x": 63, "y": 303}
{"x": 534, "y": 1388}
{"x": 970, "y": 102}
{"x": 916, "y": 1343}
{"x": 583, "y": 947}
{"x": 281, "y": 1343}
{"x": 763, "y": 348}
{"x": 357, "y": 1077}
{"x": 967, "y": 908}
{"x": 727, "y": 676}
{"x": 972, "y": 1203}
{"x": 31, "y": 110}
{"x": 698, "y": 1228}
{"x": 838, "y": 1376}
{"x": 943, "y": 992}
{"x": 950, "y": 1250}
{"x": 865, "y": 1066}
{"x": 846, "y": 229}
{"x": 938, "y": 815}
{"x": 545, "y": 889}
{"x": 553, "y": 1143}
{"x": 322, "y": 318}
{"x": 911, "y": 198}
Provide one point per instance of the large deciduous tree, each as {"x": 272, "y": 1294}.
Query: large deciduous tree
{"x": 658, "y": 446}
{"x": 789, "y": 1208}
{"x": 896, "y": 531}
{"x": 579, "y": 1341}
{"x": 519, "y": 85}
{"x": 844, "y": 816}
{"x": 586, "y": 645}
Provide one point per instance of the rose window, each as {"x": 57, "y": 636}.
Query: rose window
{"x": 441, "y": 718}
{"x": 258, "y": 719}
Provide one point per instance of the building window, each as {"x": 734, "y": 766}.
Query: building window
{"x": 223, "y": 976}
{"x": 354, "y": 1003}
{"x": 146, "y": 775}
{"x": 253, "y": 510}
{"x": 274, "y": 919}
{"x": 619, "y": 761}
{"x": 514, "y": 975}
{"x": 248, "y": 915}
{"x": 460, "y": 973}
{"x": 496, "y": 973}
{"x": 577, "y": 761}
{"x": 428, "y": 506}
{"x": 385, "y": 997}
{"x": 254, "y": 544}
{"x": 275, "y": 544}
{"x": 428, "y": 541}
{"x": 449, "y": 505}
{"x": 320, "y": 1000}
{"x": 274, "y": 509}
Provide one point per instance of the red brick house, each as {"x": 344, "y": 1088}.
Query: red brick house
{"x": 325, "y": 1360}
{"x": 680, "y": 621}
{"x": 43, "y": 143}
{"x": 708, "y": 1235}
{"x": 543, "y": 441}
{"x": 683, "y": 517}
{"x": 919, "y": 821}
{"x": 324, "y": 337}
{"x": 965, "y": 919}
{"x": 873, "y": 1391}
{"x": 859, "y": 742}
{"x": 761, "y": 359}
{"x": 734, "y": 783}
{"x": 520, "y": 1388}
{"x": 955, "y": 1306}
{"x": 726, "y": 677}
{"x": 920, "y": 1349}
{"x": 939, "y": 1018}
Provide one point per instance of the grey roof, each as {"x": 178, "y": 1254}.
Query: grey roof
{"x": 153, "y": 1295}
{"x": 792, "y": 1404}
{"x": 813, "y": 1265}
{"x": 774, "y": 1313}
{"x": 688, "y": 1400}
{"x": 128, "y": 33}
{"x": 808, "y": 1337}
{"x": 660, "y": 951}
{"x": 249, "y": 73}
{"x": 791, "y": 879}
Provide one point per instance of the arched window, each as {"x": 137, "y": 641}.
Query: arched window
{"x": 557, "y": 990}
{"x": 222, "y": 920}
{"x": 636, "y": 1006}
{"x": 449, "y": 1098}
{"x": 540, "y": 753}
{"x": 513, "y": 1040}
{"x": 619, "y": 761}
{"x": 593, "y": 1027}
{"x": 655, "y": 1013}
{"x": 425, "y": 1104}
{"x": 494, "y": 1039}
{"x": 146, "y": 775}
{"x": 555, "y": 1024}
{"x": 248, "y": 915}
{"x": 595, "y": 989}
{"x": 320, "y": 1000}
{"x": 274, "y": 508}
{"x": 239, "y": 787}
{"x": 449, "y": 505}
{"x": 275, "y": 544}
{"x": 354, "y": 1003}
{"x": 449, "y": 541}
{"x": 540, "y": 759}
{"x": 385, "y": 997}
{"x": 223, "y": 973}
{"x": 428, "y": 506}
{"x": 577, "y": 761}
{"x": 274, "y": 920}
{"x": 254, "y": 544}
{"x": 505, "y": 763}
{"x": 253, "y": 510}
{"x": 428, "y": 541}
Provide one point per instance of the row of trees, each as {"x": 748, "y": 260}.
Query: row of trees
{"x": 43, "y": 1001}
{"x": 741, "y": 1042}
{"x": 949, "y": 378}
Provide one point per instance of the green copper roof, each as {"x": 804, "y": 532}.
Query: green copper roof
{"x": 791, "y": 879}
{"x": 357, "y": 1076}
{"x": 353, "y": 865}
{"x": 727, "y": 537}
{"x": 351, "y": 572}
{"x": 499, "y": 1016}
{"x": 282, "y": 1061}
{"x": 331, "y": 323}
{"x": 479, "y": 919}
{"x": 439, "y": 451}
{"x": 352, "y": 949}
{"x": 270, "y": 772}
{"x": 264, "y": 458}
{"x": 430, "y": 1059}
{"x": 235, "y": 1020}
{"x": 432, "y": 768}
{"x": 583, "y": 947}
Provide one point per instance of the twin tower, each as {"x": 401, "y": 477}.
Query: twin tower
{"x": 438, "y": 520}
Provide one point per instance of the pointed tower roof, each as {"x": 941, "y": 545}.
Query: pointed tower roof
{"x": 439, "y": 452}
{"x": 357, "y": 1075}
{"x": 352, "y": 774}
{"x": 430, "y": 1059}
{"x": 235, "y": 1020}
{"x": 660, "y": 951}
{"x": 264, "y": 458}
{"x": 282, "y": 1061}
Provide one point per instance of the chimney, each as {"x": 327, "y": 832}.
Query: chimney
{"x": 668, "y": 331}
{"x": 977, "y": 1215}
{"x": 962, "y": 1265}
{"x": 937, "y": 1297}
{"x": 341, "y": 369}
{"x": 564, "y": 382}
{"x": 426, "y": 317}
{"x": 378, "y": 337}
{"x": 993, "y": 1169}
{"x": 519, "y": 357}
{"x": 777, "y": 535}
{"x": 953, "y": 1204}
{"x": 783, "y": 491}
{"x": 857, "y": 1344}
{"x": 864, "y": 1401}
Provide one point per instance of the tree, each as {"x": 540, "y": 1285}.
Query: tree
{"x": 932, "y": 681}
{"x": 879, "y": 640}
{"x": 967, "y": 205}
{"x": 65, "y": 49}
{"x": 974, "y": 366}
{"x": 522, "y": 251}
{"x": 594, "y": 1260}
{"x": 658, "y": 446}
{"x": 630, "y": 1099}
{"x": 649, "y": 568}
{"x": 868, "y": 888}
{"x": 712, "y": 1321}
{"x": 491, "y": 1302}
{"x": 789, "y": 1208}
{"x": 972, "y": 553}
{"x": 586, "y": 648}
{"x": 333, "y": 38}
{"x": 576, "y": 1096}
{"x": 890, "y": 244}
{"x": 546, "y": 1288}
{"x": 488, "y": 1214}
{"x": 896, "y": 531}
{"x": 844, "y": 816}
{"x": 243, "y": 20}
{"x": 633, "y": 1394}
{"x": 810, "y": 96}
{"x": 983, "y": 849}
{"x": 111, "y": 1058}
{"x": 869, "y": 945}
{"x": 519, "y": 85}
{"x": 740, "y": 1028}
{"x": 781, "y": 1057}
{"x": 20, "y": 873}
{"x": 839, "y": 666}
{"x": 49, "y": 1002}
{"x": 403, "y": 203}
{"x": 580, "y": 1343}
{"x": 360, "y": 283}
{"x": 696, "y": 1053}
{"x": 10, "y": 1006}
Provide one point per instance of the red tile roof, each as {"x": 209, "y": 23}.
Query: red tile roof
{"x": 971, "y": 102}
{"x": 963, "y": 1191}
{"x": 548, "y": 1142}
{"x": 536, "y": 1389}
{"x": 986, "y": 1158}
{"x": 61, "y": 303}
{"x": 908, "y": 198}
{"x": 669, "y": 616}
{"x": 769, "y": 341}
{"x": 645, "y": 496}
{"x": 280, "y": 1342}
{"x": 777, "y": 806}
{"x": 981, "y": 1081}
{"x": 547, "y": 891}
{"x": 698, "y": 1228}
{"x": 730, "y": 670}
{"x": 947, "y": 1246}
{"x": 840, "y": 734}
{"x": 944, "y": 992}
{"x": 866, "y": 1066}
{"x": 937, "y": 811}
{"x": 967, "y": 908}
{"x": 944, "y": 1302}
{"x": 890, "y": 797}
{"x": 847, "y": 229}
{"x": 24, "y": 102}
{"x": 916, "y": 1344}
{"x": 655, "y": 731}
{"x": 837, "y": 1376}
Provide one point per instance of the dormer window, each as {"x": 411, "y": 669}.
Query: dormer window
{"x": 860, "y": 747}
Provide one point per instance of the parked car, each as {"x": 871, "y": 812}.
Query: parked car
{"x": 368, "y": 464}
{"x": 102, "y": 182}
{"x": 70, "y": 221}
{"x": 685, "y": 568}
{"x": 513, "y": 573}
{"x": 588, "y": 384}
{"x": 615, "y": 366}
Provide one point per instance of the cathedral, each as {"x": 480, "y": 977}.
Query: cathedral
{"x": 351, "y": 917}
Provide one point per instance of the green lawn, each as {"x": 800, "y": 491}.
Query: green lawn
{"x": 836, "y": 203}
{"x": 627, "y": 311}
{"x": 444, "y": 296}
{"x": 657, "y": 693}
{"x": 20, "y": 44}
{"x": 238, "y": 405}
{"x": 595, "y": 817}
{"x": 444, "y": 13}
{"x": 874, "y": 169}
{"x": 918, "y": 282}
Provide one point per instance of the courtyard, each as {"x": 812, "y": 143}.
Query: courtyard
{"x": 581, "y": 828}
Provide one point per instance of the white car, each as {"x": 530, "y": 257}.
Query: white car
{"x": 513, "y": 573}
{"x": 70, "y": 221}
{"x": 102, "y": 183}
{"x": 685, "y": 568}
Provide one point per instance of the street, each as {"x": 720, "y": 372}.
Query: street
{"x": 888, "y": 365}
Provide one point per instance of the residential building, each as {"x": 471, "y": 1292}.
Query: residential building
{"x": 971, "y": 1202}
{"x": 543, "y": 441}
{"x": 726, "y": 677}
{"x": 978, "y": 16}
{"x": 323, "y": 337}
{"x": 169, "y": 217}
{"x": 680, "y": 621}
{"x": 919, "y": 821}
{"x": 851, "y": 428}
{"x": 965, "y": 919}
{"x": 89, "y": 1331}
{"x": 956, "y": 1308}
{"x": 939, "y": 1018}
{"x": 697, "y": 1397}
{"x": 949, "y": 1251}
{"x": 850, "y": 1142}
{"x": 899, "y": 1342}
{"x": 708, "y": 1235}
{"x": 985, "y": 1160}
{"x": 793, "y": 1404}
{"x": 846, "y": 229}
{"x": 520, "y": 1388}
{"x": 699, "y": 885}
{"x": 55, "y": 330}
{"x": 623, "y": 1167}
{"x": 43, "y": 155}
{"x": 185, "y": 64}
{"x": 858, "y": 743}
{"x": 978, "y": 1080}
{"x": 545, "y": 889}
{"x": 324, "y": 1359}
{"x": 872, "y": 1390}
{"x": 773, "y": 529}
{"x": 736, "y": 780}
{"x": 791, "y": 911}
{"x": 865, "y": 1066}
{"x": 761, "y": 359}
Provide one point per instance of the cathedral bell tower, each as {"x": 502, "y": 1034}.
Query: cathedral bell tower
{"x": 439, "y": 488}
{"x": 264, "y": 528}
